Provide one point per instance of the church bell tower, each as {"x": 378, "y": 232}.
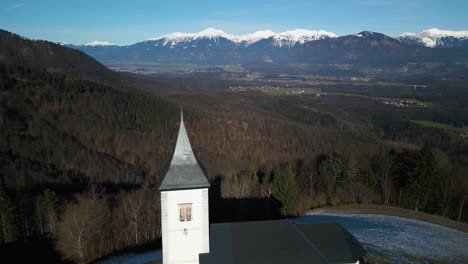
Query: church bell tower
{"x": 184, "y": 205}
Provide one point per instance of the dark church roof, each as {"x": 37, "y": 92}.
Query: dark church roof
{"x": 280, "y": 242}
{"x": 184, "y": 171}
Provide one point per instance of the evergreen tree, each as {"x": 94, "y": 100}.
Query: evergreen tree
{"x": 285, "y": 188}
{"x": 325, "y": 183}
{"x": 423, "y": 177}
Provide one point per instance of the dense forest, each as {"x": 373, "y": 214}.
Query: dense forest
{"x": 81, "y": 159}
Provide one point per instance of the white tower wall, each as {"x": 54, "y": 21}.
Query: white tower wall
{"x": 184, "y": 241}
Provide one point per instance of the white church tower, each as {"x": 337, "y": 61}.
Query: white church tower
{"x": 184, "y": 205}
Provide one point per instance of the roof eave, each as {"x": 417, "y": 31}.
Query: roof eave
{"x": 176, "y": 188}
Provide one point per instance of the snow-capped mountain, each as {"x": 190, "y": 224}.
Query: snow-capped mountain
{"x": 99, "y": 43}
{"x": 209, "y": 33}
{"x": 436, "y": 38}
{"x": 287, "y": 38}
{"x": 301, "y": 36}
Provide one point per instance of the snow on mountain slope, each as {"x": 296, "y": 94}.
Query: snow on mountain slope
{"x": 434, "y": 32}
{"x": 408, "y": 35}
{"x": 209, "y": 33}
{"x": 98, "y": 43}
{"x": 366, "y": 34}
{"x": 290, "y": 38}
{"x": 287, "y": 38}
{"x": 256, "y": 36}
{"x": 436, "y": 37}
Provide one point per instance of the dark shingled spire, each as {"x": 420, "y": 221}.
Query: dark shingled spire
{"x": 184, "y": 171}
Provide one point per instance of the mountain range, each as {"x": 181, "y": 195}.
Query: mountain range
{"x": 436, "y": 38}
{"x": 212, "y": 46}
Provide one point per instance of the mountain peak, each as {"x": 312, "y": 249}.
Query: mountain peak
{"x": 212, "y": 32}
{"x": 215, "y": 33}
{"x": 290, "y": 38}
{"x": 209, "y": 33}
{"x": 367, "y": 33}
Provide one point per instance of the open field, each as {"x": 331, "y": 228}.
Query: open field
{"x": 461, "y": 130}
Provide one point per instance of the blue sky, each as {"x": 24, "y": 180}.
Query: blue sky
{"x": 127, "y": 22}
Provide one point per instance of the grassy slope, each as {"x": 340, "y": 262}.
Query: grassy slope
{"x": 463, "y": 129}
{"x": 376, "y": 257}
{"x": 395, "y": 211}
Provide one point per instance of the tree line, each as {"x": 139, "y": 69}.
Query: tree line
{"x": 423, "y": 180}
{"x": 90, "y": 225}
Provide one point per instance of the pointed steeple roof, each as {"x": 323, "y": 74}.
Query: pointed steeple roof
{"x": 184, "y": 171}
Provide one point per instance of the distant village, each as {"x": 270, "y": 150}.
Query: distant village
{"x": 277, "y": 90}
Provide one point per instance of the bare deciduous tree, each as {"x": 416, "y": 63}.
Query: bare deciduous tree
{"x": 48, "y": 207}
{"x": 267, "y": 182}
{"x": 80, "y": 229}
{"x": 461, "y": 207}
{"x": 133, "y": 206}
{"x": 237, "y": 186}
{"x": 384, "y": 166}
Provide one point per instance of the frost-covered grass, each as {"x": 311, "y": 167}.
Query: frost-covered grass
{"x": 393, "y": 239}
{"x": 149, "y": 257}
{"x": 395, "y": 211}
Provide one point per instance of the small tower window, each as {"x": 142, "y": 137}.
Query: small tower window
{"x": 185, "y": 212}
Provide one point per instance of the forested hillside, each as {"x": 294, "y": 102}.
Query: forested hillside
{"x": 51, "y": 57}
